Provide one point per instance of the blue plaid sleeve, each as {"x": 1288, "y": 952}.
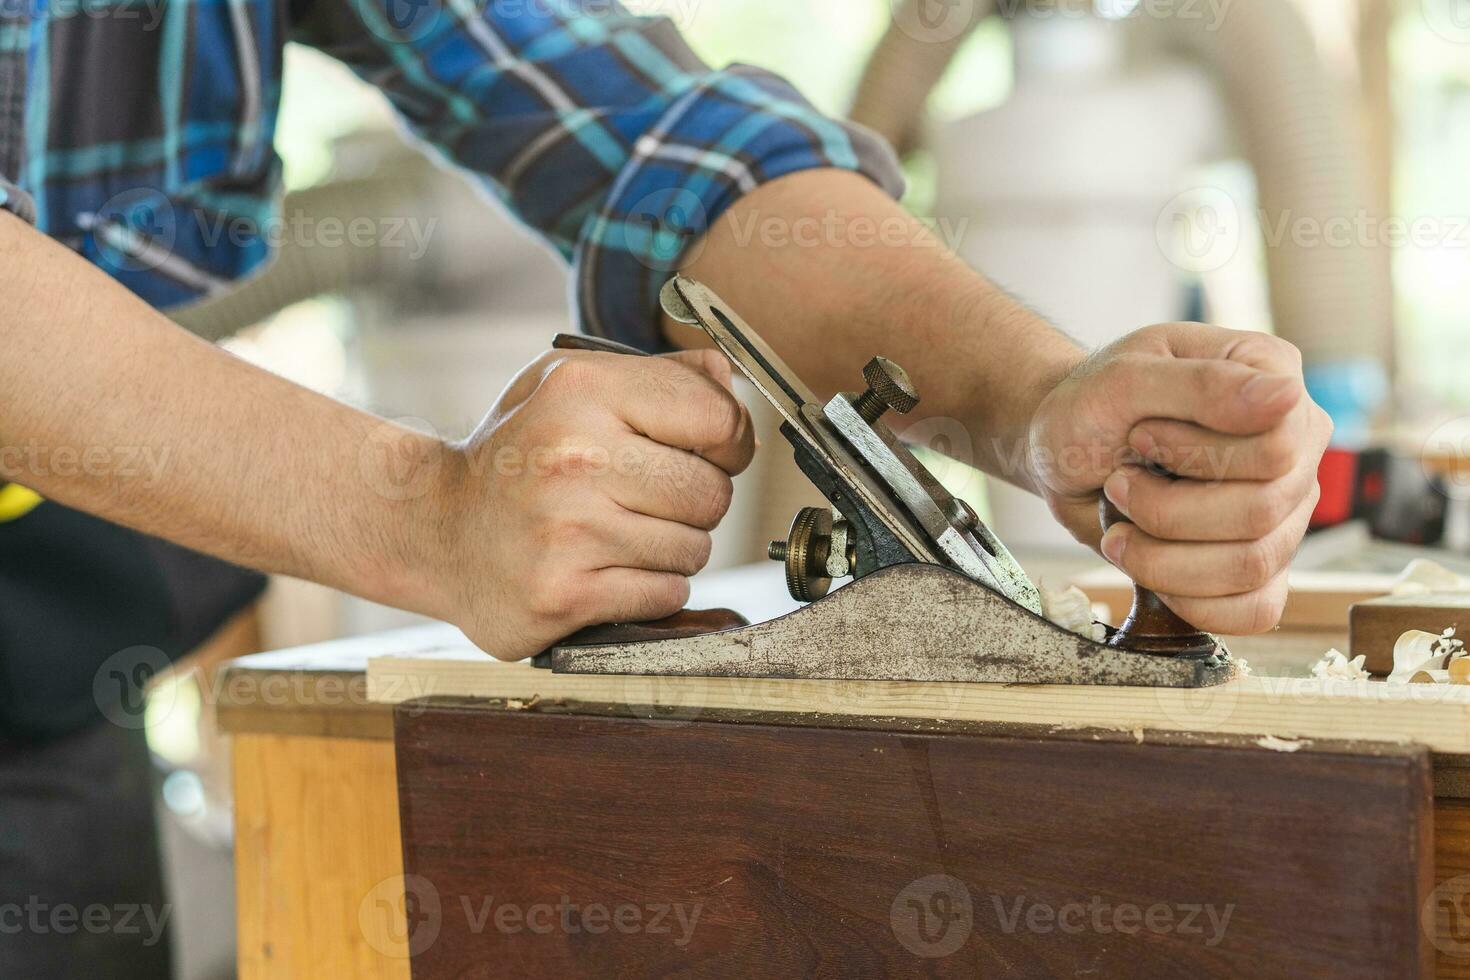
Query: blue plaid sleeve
{"x": 17, "y": 201}
{"x": 599, "y": 129}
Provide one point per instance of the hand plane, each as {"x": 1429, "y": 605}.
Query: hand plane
{"x": 934, "y": 596}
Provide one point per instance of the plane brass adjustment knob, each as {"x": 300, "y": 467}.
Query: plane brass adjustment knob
{"x": 816, "y": 550}
{"x": 888, "y": 387}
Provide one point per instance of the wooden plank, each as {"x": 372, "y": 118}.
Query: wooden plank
{"x": 769, "y": 851}
{"x": 318, "y": 864}
{"x": 1433, "y": 715}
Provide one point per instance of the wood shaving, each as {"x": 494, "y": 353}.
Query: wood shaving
{"x": 1423, "y": 575}
{"x": 1420, "y": 657}
{"x": 1279, "y": 744}
{"x": 1335, "y": 666}
{"x": 1413, "y": 651}
{"x": 1070, "y": 609}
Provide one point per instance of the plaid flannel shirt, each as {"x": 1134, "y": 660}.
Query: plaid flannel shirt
{"x": 132, "y": 130}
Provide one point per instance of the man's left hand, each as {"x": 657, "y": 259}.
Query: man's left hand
{"x": 1225, "y": 410}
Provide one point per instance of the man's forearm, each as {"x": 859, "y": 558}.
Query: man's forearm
{"x": 831, "y": 271}
{"x": 807, "y": 261}
{"x": 239, "y": 463}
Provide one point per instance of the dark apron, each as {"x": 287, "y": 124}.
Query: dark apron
{"x": 88, "y": 612}
{"x": 89, "y": 609}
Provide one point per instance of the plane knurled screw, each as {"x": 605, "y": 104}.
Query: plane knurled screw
{"x": 888, "y": 387}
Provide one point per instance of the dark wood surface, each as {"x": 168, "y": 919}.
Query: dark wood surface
{"x": 825, "y": 853}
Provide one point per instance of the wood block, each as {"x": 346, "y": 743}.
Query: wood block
{"x": 1374, "y": 625}
{"x": 546, "y": 845}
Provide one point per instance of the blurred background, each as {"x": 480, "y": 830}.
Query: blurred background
{"x": 1289, "y": 165}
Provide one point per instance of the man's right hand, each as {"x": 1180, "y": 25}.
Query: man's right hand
{"x": 586, "y": 496}
{"x": 588, "y": 493}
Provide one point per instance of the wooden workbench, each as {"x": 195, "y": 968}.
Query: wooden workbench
{"x": 833, "y": 820}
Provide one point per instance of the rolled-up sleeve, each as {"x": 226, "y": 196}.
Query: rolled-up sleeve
{"x": 17, "y": 202}
{"x": 600, "y": 130}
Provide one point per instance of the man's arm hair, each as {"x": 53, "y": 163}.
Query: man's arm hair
{"x": 108, "y": 407}
{"x": 831, "y": 271}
